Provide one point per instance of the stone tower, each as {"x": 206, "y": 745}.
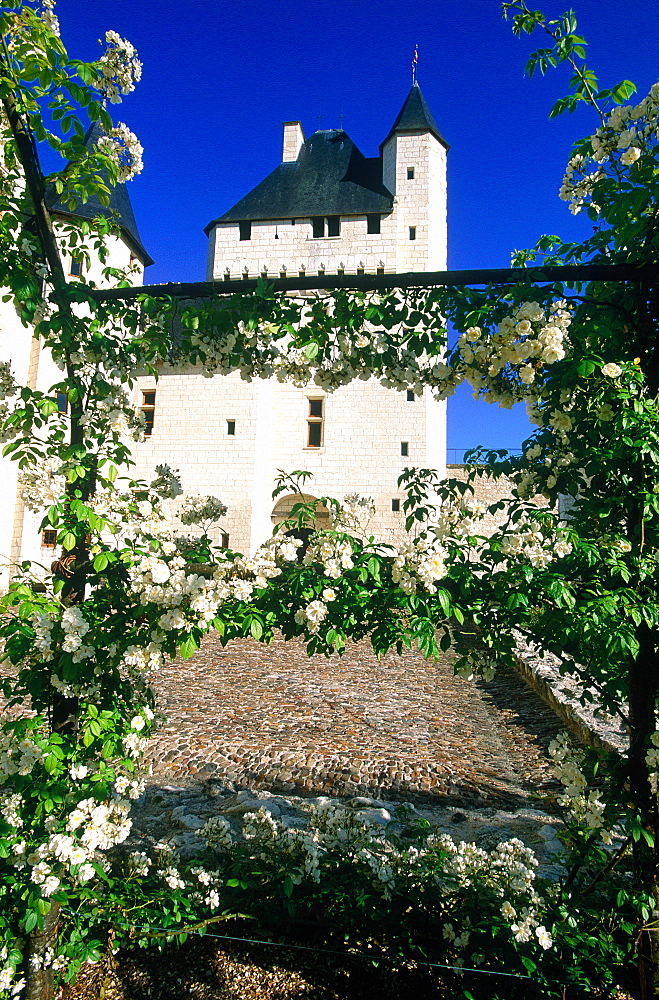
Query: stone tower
{"x": 414, "y": 170}
{"x": 325, "y": 209}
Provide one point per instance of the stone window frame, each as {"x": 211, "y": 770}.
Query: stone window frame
{"x": 315, "y": 423}
{"x": 325, "y": 223}
{"x": 148, "y": 408}
{"x": 373, "y": 224}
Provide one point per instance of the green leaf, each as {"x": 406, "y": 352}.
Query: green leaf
{"x": 586, "y": 367}
{"x": 189, "y": 647}
{"x": 374, "y": 568}
{"x": 101, "y": 561}
{"x": 68, "y": 540}
{"x": 623, "y": 91}
{"x": 256, "y": 628}
{"x": 30, "y": 922}
{"x": 51, "y": 763}
{"x": 444, "y": 599}
{"x": 311, "y": 351}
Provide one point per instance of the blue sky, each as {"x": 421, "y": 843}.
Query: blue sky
{"x": 220, "y": 77}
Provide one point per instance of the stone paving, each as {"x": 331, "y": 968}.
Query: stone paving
{"x": 269, "y": 717}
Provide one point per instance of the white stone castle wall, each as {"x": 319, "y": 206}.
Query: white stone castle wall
{"x": 15, "y": 346}
{"x": 420, "y": 201}
{"x": 364, "y": 425}
{"x": 279, "y": 246}
{"x": 20, "y": 537}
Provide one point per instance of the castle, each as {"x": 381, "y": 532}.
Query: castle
{"x": 325, "y": 209}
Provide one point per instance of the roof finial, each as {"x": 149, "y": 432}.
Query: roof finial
{"x": 415, "y": 59}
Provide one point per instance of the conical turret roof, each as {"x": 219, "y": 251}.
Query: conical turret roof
{"x": 416, "y": 116}
{"x": 119, "y": 209}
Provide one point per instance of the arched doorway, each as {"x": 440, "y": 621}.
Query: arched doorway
{"x": 282, "y": 510}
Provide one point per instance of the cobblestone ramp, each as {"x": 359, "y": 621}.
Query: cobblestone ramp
{"x": 270, "y": 717}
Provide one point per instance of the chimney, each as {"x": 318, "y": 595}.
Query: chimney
{"x": 293, "y": 139}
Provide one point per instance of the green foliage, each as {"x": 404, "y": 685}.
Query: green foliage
{"x": 79, "y": 642}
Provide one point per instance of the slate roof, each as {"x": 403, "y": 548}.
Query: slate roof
{"x": 330, "y": 177}
{"x": 416, "y": 116}
{"x": 119, "y": 208}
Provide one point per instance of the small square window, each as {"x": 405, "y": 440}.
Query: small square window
{"x": 340, "y": 271}
{"x": 49, "y": 538}
{"x": 410, "y": 173}
{"x": 410, "y": 396}
{"x": 245, "y": 229}
{"x": 360, "y": 270}
{"x": 318, "y": 227}
{"x": 395, "y": 505}
{"x": 75, "y": 267}
{"x": 62, "y": 402}
{"x": 227, "y": 275}
{"x": 380, "y": 269}
{"x": 333, "y": 225}
{"x": 372, "y": 224}
{"x": 224, "y": 540}
{"x": 231, "y": 427}
{"x": 315, "y": 407}
{"x": 412, "y": 232}
{"x": 404, "y": 449}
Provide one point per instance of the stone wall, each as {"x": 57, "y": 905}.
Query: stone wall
{"x": 287, "y": 247}
{"x": 363, "y": 429}
{"x": 488, "y": 490}
{"x": 420, "y": 201}
{"x": 20, "y": 537}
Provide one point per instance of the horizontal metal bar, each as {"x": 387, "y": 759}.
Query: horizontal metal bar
{"x": 641, "y": 272}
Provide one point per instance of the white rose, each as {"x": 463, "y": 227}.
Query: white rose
{"x": 630, "y": 156}
{"x": 612, "y": 370}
